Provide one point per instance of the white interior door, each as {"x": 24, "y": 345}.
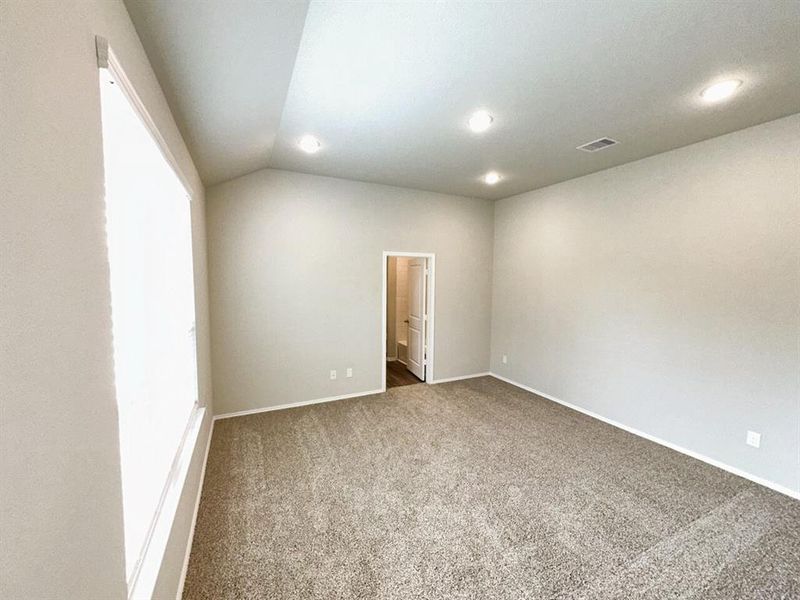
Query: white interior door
{"x": 417, "y": 318}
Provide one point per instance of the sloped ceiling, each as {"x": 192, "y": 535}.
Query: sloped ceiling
{"x": 225, "y": 67}
{"x": 388, "y": 86}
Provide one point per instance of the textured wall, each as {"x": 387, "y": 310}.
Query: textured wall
{"x": 61, "y": 524}
{"x": 295, "y": 264}
{"x": 665, "y": 294}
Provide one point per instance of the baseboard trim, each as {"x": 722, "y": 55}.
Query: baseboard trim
{"x": 243, "y": 413}
{"x": 696, "y": 455}
{"x": 188, "y": 554}
{"x": 460, "y": 377}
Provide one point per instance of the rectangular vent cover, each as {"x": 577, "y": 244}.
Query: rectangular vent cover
{"x": 597, "y": 145}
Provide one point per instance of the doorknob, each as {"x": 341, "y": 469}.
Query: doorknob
{"x": 406, "y": 321}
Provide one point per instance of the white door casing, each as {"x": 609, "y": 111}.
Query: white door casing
{"x": 430, "y": 309}
{"x": 417, "y": 318}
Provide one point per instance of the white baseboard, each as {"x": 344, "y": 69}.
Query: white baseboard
{"x": 720, "y": 465}
{"x": 460, "y": 377}
{"x": 254, "y": 411}
{"x": 185, "y": 568}
{"x": 242, "y": 413}
{"x": 391, "y": 358}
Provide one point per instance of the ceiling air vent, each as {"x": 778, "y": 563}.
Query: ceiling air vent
{"x": 597, "y": 145}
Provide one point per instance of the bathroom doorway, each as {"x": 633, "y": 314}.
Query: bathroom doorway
{"x": 408, "y": 292}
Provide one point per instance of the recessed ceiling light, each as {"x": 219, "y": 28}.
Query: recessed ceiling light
{"x": 480, "y": 121}
{"x": 491, "y": 178}
{"x": 721, "y": 91}
{"x": 309, "y": 144}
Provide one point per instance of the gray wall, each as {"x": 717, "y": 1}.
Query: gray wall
{"x": 665, "y": 295}
{"x": 61, "y": 529}
{"x": 391, "y": 307}
{"x": 295, "y": 266}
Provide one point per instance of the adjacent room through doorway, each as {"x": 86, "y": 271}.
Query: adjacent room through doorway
{"x": 406, "y": 319}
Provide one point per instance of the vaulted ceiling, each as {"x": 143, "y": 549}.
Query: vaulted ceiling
{"x": 388, "y": 87}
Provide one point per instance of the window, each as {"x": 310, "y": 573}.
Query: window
{"x": 152, "y": 306}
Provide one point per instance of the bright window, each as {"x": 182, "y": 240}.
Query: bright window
{"x": 152, "y": 305}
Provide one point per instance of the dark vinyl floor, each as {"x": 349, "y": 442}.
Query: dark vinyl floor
{"x": 397, "y": 375}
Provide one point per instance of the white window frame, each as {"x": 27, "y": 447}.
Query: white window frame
{"x": 142, "y": 581}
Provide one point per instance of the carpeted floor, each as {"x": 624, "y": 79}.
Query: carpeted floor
{"x": 476, "y": 489}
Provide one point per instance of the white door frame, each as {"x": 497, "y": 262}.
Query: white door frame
{"x": 429, "y": 328}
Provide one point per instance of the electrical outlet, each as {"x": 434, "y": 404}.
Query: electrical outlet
{"x": 349, "y": 372}
{"x": 333, "y": 374}
{"x": 505, "y": 359}
{"x": 753, "y": 439}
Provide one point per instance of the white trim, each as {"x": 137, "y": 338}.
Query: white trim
{"x": 460, "y": 377}
{"x": 185, "y": 567}
{"x": 243, "y": 413}
{"x": 143, "y": 579}
{"x": 106, "y": 59}
{"x": 696, "y": 455}
{"x": 145, "y": 574}
{"x": 429, "y": 332}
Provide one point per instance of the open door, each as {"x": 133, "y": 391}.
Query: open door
{"x": 417, "y": 315}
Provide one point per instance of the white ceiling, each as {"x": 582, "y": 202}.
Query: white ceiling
{"x": 388, "y": 86}
{"x": 225, "y": 67}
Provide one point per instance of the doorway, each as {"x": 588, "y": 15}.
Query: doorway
{"x": 408, "y": 293}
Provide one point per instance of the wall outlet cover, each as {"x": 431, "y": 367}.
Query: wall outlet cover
{"x": 333, "y": 374}
{"x": 349, "y": 372}
{"x": 753, "y": 439}
{"x": 505, "y": 359}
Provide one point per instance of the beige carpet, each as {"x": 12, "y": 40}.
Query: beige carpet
{"x": 476, "y": 489}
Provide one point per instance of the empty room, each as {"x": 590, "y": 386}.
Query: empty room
{"x": 400, "y": 300}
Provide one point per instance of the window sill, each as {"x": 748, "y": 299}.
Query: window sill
{"x": 144, "y": 579}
